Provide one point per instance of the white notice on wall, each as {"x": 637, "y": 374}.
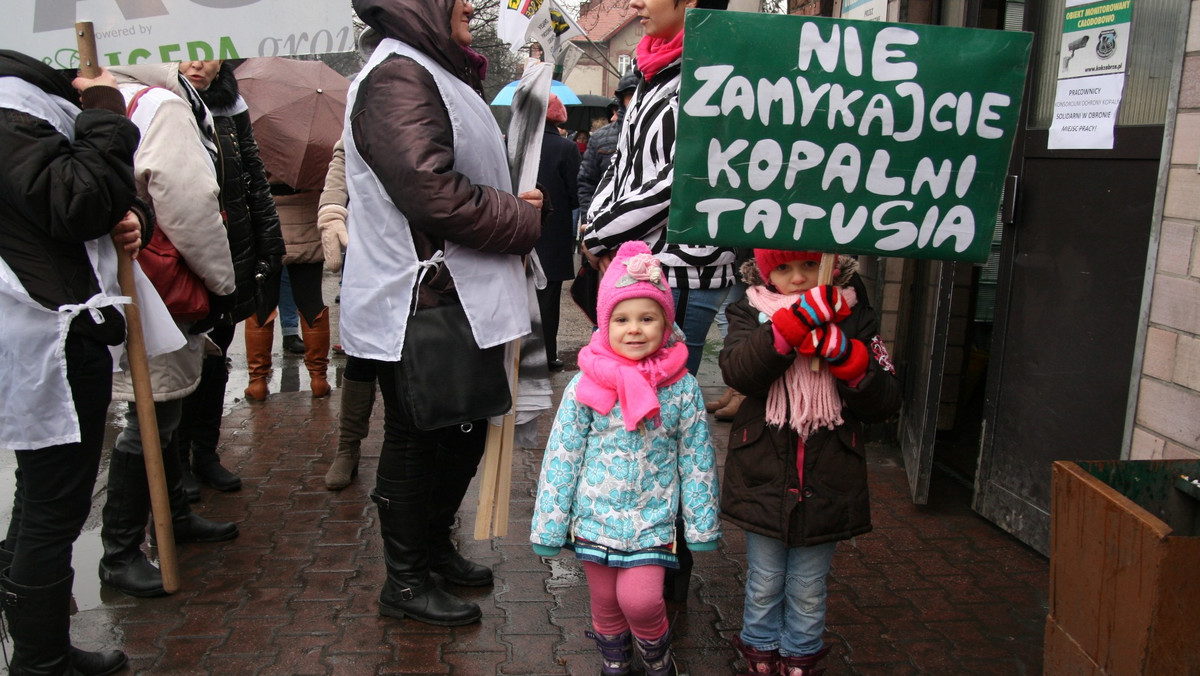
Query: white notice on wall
{"x": 1085, "y": 112}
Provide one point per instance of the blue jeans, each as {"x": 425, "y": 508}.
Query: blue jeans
{"x": 736, "y": 293}
{"x": 785, "y": 595}
{"x": 694, "y": 313}
{"x": 289, "y": 317}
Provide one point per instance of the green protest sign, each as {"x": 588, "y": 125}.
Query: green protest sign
{"x": 844, "y": 136}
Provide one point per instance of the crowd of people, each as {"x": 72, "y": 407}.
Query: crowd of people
{"x": 420, "y": 217}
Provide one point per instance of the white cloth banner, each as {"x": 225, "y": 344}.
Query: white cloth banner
{"x": 542, "y": 20}
{"x": 159, "y": 31}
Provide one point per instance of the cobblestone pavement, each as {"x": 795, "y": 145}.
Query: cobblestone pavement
{"x": 932, "y": 590}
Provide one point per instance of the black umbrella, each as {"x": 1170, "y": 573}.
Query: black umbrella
{"x": 581, "y": 115}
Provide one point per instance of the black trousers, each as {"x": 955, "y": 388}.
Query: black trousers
{"x": 54, "y": 485}
{"x": 306, "y": 291}
{"x": 549, "y": 304}
{"x": 410, "y": 453}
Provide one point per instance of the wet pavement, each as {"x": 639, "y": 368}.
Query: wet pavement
{"x": 933, "y": 589}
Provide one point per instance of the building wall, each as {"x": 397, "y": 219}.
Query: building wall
{"x": 1167, "y": 417}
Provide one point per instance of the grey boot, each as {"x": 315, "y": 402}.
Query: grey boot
{"x": 358, "y": 400}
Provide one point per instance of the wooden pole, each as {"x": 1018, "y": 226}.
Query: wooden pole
{"x": 824, "y": 276}
{"x": 496, "y": 482}
{"x": 139, "y": 369}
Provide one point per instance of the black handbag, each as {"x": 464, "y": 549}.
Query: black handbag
{"x": 444, "y": 378}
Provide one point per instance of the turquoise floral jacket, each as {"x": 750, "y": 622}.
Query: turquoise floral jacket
{"x": 622, "y": 489}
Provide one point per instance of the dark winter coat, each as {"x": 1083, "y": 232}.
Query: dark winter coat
{"x": 57, "y": 194}
{"x": 761, "y": 490}
{"x": 250, "y": 217}
{"x": 404, "y": 134}
{"x": 557, "y": 175}
{"x": 601, "y": 147}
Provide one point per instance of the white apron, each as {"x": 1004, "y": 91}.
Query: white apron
{"x": 37, "y": 410}
{"x": 381, "y": 270}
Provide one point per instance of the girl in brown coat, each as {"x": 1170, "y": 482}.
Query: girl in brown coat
{"x": 796, "y": 473}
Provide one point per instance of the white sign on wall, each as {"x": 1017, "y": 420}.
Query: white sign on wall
{"x": 155, "y": 31}
{"x": 865, "y": 10}
{"x": 1091, "y": 74}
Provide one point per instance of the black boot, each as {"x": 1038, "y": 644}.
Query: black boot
{"x": 200, "y": 429}
{"x": 86, "y": 663}
{"x": 449, "y": 487}
{"x": 123, "y": 529}
{"x": 189, "y": 526}
{"x": 39, "y": 622}
{"x": 409, "y": 590}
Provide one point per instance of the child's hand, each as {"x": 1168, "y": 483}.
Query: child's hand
{"x": 821, "y": 305}
{"x": 847, "y": 357}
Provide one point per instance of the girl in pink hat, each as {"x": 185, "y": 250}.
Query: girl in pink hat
{"x": 796, "y": 473}
{"x": 630, "y": 448}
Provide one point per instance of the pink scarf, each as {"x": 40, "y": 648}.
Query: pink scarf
{"x": 806, "y": 400}
{"x": 654, "y": 54}
{"x": 608, "y": 378}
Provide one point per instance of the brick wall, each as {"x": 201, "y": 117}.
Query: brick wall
{"x": 1167, "y": 422}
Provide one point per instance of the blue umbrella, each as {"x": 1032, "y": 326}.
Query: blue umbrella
{"x": 505, "y": 96}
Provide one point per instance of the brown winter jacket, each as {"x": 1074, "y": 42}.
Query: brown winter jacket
{"x": 402, "y": 130}
{"x": 761, "y": 490}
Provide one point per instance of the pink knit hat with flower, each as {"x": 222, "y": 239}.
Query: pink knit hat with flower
{"x": 556, "y": 112}
{"x": 769, "y": 259}
{"x": 633, "y": 273}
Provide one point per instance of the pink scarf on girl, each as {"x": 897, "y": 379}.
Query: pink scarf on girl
{"x": 609, "y": 378}
{"x": 806, "y": 400}
{"x": 654, "y": 54}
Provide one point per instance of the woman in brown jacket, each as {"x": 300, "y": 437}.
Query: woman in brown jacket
{"x": 431, "y": 223}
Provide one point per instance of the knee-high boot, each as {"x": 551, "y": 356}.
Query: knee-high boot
{"x": 358, "y": 400}
{"x": 259, "y": 337}
{"x": 316, "y": 351}
{"x": 123, "y": 529}
{"x": 201, "y": 429}
{"x": 187, "y": 525}
{"x": 101, "y": 663}
{"x": 449, "y": 486}
{"x": 409, "y": 590}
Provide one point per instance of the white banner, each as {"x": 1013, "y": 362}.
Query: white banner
{"x": 1085, "y": 112}
{"x": 552, "y": 27}
{"x": 542, "y": 20}
{"x": 154, "y": 31}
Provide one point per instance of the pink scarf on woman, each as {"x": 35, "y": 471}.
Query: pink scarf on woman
{"x": 609, "y": 378}
{"x": 654, "y": 54}
{"x": 806, "y": 400}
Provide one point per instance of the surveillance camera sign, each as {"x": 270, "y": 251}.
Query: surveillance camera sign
{"x": 844, "y": 136}
{"x": 1091, "y": 74}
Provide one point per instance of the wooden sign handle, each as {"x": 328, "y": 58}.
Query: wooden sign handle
{"x": 85, "y": 39}
{"x": 824, "y": 276}
{"x": 139, "y": 370}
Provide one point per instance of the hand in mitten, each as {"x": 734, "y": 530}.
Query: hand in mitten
{"x": 847, "y": 356}
{"x": 821, "y": 305}
{"x": 331, "y": 221}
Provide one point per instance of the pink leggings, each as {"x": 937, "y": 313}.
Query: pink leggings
{"x": 627, "y": 598}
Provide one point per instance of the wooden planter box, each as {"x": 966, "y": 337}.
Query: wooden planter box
{"x": 1124, "y": 569}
